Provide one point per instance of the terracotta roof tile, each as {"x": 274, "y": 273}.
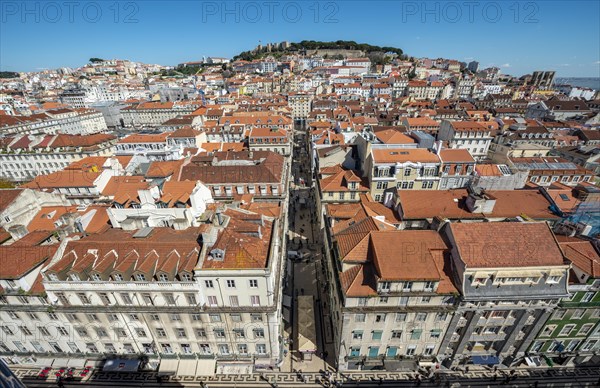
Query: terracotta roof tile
{"x": 583, "y": 255}
{"x": 7, "y": 196}
{"x": 406, "y": 254}
{"x": 389, "y": 155}
{"x": 506, "y": 244}
{"x": 17, "y": 261}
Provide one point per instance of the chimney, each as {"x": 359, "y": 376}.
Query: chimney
{"x": 479, "y": 201}
{"x": 219, "y": 214}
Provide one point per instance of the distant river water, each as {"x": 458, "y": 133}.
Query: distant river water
{"x": 587, "y": 82}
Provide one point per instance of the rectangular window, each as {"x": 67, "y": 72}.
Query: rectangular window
{"x": 101, "y": 332}
{"x": 166, "y": 348}
{"x": 376, "y": 334}
{"x": 223, "y": 349}
{"x": 589, "y": 345}
{"x": 126, "y": 298}
{"x": 587, "y": 297}
{"x": 191, "y": 299}
{"x": 566, "y": 330}
{"x": 212, "y": 300}
{"x": 259, "y": 333}
{"x": 239, "y": 333}
{"x": 92, "y": 317}
{"x": 209, "y": 284}
{"x": 357, "y": 334}
{"x": 233, "y": 301}
{"x": 359, "y": 317}
{"x": 253, "y": 283}
{"x": 416, "y": 334}
{"x": 261, "y": 349}
{"x": 91, "y": 348}
{"x": 230, "y": 283}
{"x": 255, "y": 300}
{"x": 104, "y": 298}
{"x": 559, "y": 314}
{"x": 421, "y": 317}
{"x": 169, "y": 298}
{"x": 121, "y": 333}
{"x": 200, "y": 333}
{"x": 548, "y": 330}
{"x": 72, "y": 317}
{"x": 441, "y": 316}
{"x": 585, "y": 329}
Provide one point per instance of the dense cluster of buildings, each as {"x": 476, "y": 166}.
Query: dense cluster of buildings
{"x": 459, "y": 210}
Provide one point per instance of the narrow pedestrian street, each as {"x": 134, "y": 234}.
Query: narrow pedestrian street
{"x": 307, "y": 270}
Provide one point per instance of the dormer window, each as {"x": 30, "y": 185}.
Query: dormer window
{"x": 140, "y": 277}
{"x": 75, "y": 277}
{"x": 553, "y": 279}
{"x": 53, "y": 277}
{"x": 163, "y": 277}
{"x": 96, "y": 277}
{"x": 118, "y": 277}
{"x": 186, "y": 277}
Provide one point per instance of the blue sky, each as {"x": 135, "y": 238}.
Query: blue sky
{"x": 518, "y": 36}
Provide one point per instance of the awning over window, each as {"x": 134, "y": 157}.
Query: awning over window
{"x": 76, "y": 362}
{"x": 484, "y": 360}
{"x": 60, "y": 362}
{"x": 520, "y": 274}
{"x": 168, "y": 366}
{"x": 187, "y": 367}
{"x": 307, "y": 338}
{"x": 556, "y": 272}
{"x": 206, "y": 367}
{"x": 121, "y": 365}
{"x": 480, "y": 275}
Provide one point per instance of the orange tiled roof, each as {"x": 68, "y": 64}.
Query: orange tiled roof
{"x": 506, "y": 244}
{"x": 400, "y": 155}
